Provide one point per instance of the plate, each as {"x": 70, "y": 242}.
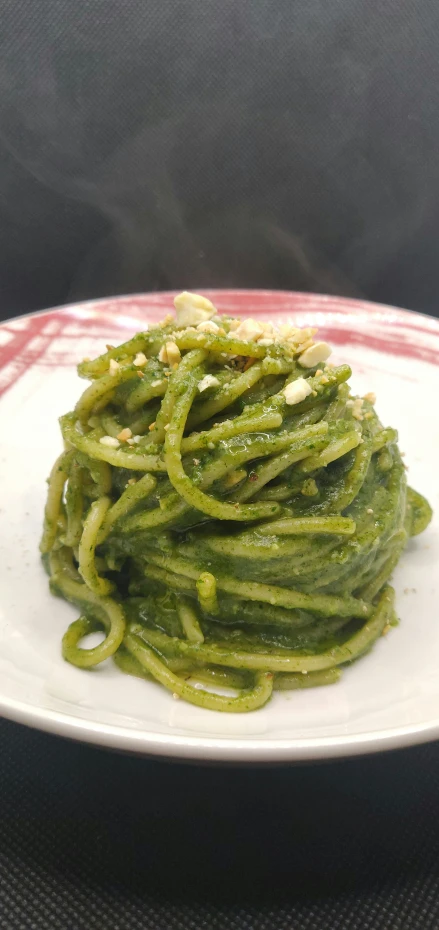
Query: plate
{"x": 388, "y": 699}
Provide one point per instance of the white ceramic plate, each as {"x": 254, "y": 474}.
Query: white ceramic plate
{"x": 388, "y": 699}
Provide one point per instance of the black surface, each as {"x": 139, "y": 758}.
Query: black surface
{"x": 148, "y": 144}
{"x": 94, "y": 839}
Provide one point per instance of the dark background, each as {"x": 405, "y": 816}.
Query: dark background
{"x": 149, "y": 144}
{"x": 152, "y": 144}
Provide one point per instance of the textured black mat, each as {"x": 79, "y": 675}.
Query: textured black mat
{"x": 94, "y": 839}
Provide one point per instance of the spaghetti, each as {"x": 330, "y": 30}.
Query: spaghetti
{"x": 225, "y": 511}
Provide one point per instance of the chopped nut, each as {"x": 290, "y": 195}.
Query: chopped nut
{"x": 109, "y": 347}
{"x": 287, "y": 330}
{"x": 170, "y": 354}
{"x": 114, "y": 366}
{"x": 151, "y": 426}
{"x": 86, "y": 358}
{"x": 140, "y": 359}
{"x": 302, "y": 338}
{"x": 207, "y": 382}
{"x": 316, "y": 353}
{"x": 166, "y": 427}
{"x": 233, "y": 325}
{"x": 192, "y": 309}
{"x": 208, "y": 327}
{"x": 369, "y": 510}
{"x": 296, "y": 391}
{"x": 356, "y": 406}
{"x": 109, "y": 441}
{"x": 371, "y": 397}
{"x": 249, "y": 330}
{"x": 196, "y": 461}
{"x": 319, "y": 372}
{"x": 124, "y": 434}
{"x": 132, "y": 481}
{"x": 266, "y": 341}
{"x": 156, "y": 383}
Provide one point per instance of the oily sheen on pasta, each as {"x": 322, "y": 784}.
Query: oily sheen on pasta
{"x": 225, "y": 512}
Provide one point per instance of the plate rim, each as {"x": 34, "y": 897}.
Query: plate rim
{"x": 216, "y": 748}
{"x": 354, "y": 303}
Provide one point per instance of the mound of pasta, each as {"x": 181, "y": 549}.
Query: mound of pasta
{"x": 225, "y": 512}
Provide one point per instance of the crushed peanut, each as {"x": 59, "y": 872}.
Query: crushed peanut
{"x": 207, "y": 382}
{"x": 140, "y": 359}
{"x": 316, "y": 353}
{"x": 170, "y": 354}
{"x": 192, "y": 309}
{"x": 356, "y": 406}
{"x": 371, "y": 397}
{"x": 249, "y": 330}
{"x": 124, "y": 434}
{"x": 296, "y": 391}
{"x": 113, "y": 367}
{"x": 208, "y": 327}
{"x": 109, "y": 441}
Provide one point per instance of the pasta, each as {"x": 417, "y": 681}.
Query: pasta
{"x": 225, "y": 512}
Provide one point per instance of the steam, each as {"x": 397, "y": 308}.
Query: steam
{"x": 198, "y": 155}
